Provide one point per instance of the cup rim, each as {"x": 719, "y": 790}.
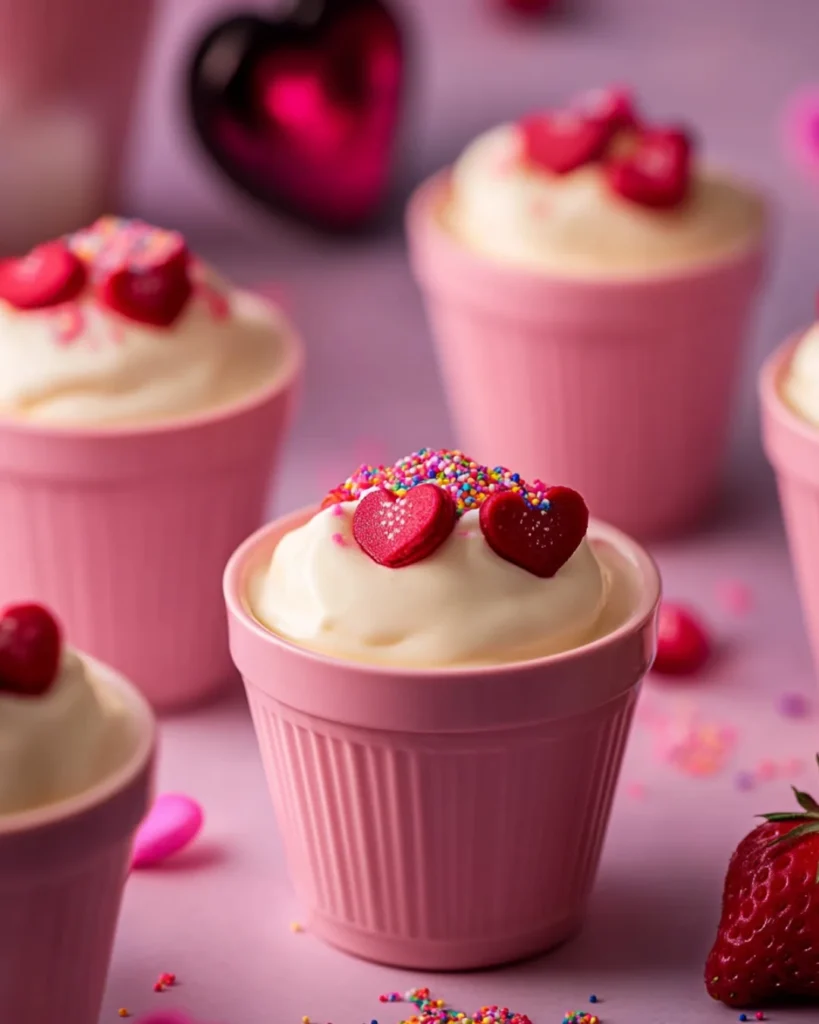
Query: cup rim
{"x": 291, "y": 369}
{"x": 113, "y": 783}
{"x": 247, "y": 553}
{"x": 769, "y": 386}
{"x": 427, "y": 194}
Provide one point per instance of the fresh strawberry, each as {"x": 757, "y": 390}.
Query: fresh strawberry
{"x": 767, "y": 945}
{"x": 30, "y": 646}
{"x": 538, "y": 540}
{"x": 683, "y": 645}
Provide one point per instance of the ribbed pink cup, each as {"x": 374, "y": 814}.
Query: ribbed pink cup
{"x": 792, "y": 446}
{"x": 442, "y": 820}
{"x": 619, "y": 388}
{"x": 127, "y": 532}
{"x": 62, "y": 873}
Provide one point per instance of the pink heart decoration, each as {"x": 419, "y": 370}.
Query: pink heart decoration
{"x": 301, "y": 111}
{"x": 173, "y": 822}
{"x": 800, "y": 124}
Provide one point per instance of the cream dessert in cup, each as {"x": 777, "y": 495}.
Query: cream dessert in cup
{"x": 439, "y": 655}
{"x": 143, "y": 404}
{"x": 789, "y": 392}
{"x": 589, "y": 283}
{"x": 76, "y": 759}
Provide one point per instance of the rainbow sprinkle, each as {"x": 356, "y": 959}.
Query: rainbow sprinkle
{"x": 580, "y": 1017}
{"x": 469, "y": 483}
{"x": 435, "y": 1011}
{"x": 112, "y": 242}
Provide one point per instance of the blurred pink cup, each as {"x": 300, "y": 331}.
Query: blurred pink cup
{"x": 69, "y": 71}
{"x": 792, "y": 446}
{"x": 621, "y": 389}
{"x": 127, "y": 531}
{"x": 62, "y": 874}
{"x": 444, "y": 819}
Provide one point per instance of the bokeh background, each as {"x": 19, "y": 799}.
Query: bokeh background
{"x": 728, "y": 68}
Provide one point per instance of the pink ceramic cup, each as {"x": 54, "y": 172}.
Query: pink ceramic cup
{"x": 450, "y": 819}
{"x": 62, "y": 873}
{"x": 127, "y": 531}
{"x": 69, "y": 73}
{"x": 620, "y": 389}
{"x": 792, "y": 446}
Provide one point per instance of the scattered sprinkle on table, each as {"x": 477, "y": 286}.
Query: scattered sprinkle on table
{"x": 435, "y": 1011}
{"x": 296, "y": 927}
{"x": 580, "y": 1017}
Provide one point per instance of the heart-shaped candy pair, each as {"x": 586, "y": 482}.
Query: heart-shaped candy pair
{"x": 396, "y": 532}
{"x": 563, "y": 141}
{"x": 47, "y": 276}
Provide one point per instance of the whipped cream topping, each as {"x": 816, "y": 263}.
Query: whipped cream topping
{"x": 84, "y": 361}
{"x": 462, "y": 605}
{"x": 800, "y": 386}
{"x": 515, "y": 212}
{"x": 60, "y": 743}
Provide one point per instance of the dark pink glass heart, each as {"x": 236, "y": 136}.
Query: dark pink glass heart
{"x": 301, "y": 112}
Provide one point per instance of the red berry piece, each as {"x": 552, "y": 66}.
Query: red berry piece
{"x": 564, "y": 141}
{"x": 150, "y": 292}
{"x": 683, "y": 645}
{"x": 30, "y": 648}
{"x": 396, "y": 532}
{"x": 767, "y": 944}
{"x": 48, "y": 276}
{"x": 536, "y": 540}
{"x": 657, "y": 173}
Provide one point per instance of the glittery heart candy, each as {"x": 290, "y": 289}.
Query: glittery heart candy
{"x": 564, "y": 141}
{"x": 49, "y": 275}
{"x": 30, "y": 649}
{"x": 151, "y": 288}
{"x": 538, "y": 540}
{"x": 657, "y": 172}
{"x": 396, "y": 532}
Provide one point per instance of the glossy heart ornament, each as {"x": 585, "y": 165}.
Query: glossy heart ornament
{"x": 539, "y": 541}
{"x": 173, "y": 822}
{"x": 301, "y": 112}
{"x": 396, "y": 532}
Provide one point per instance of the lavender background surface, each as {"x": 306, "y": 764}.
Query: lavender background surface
{"x": 219, "y": 918}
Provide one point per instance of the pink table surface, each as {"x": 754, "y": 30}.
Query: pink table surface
{"x": 219, "y": 917}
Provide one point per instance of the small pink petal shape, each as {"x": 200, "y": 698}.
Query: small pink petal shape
{"x": 735, "y": 596}
{"x": 172, "y": 823}
{"x": 800, "y": 124}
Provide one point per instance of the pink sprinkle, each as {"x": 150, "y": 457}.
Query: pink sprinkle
{"x": 735, "y": 596}
{"x": 338, "y": 510}
{"x": 636, "y": 790}
{"x": 766, "y": 770}
{"x": 339, "y": 539}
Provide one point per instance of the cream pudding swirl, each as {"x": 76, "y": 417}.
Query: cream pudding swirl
{"x": 133, "y": 339}
{"x": 800, "y": 386}
{"x": 60, "y": 743}
{"x": 451, "y": 601}
{"x": 515, "y": 211}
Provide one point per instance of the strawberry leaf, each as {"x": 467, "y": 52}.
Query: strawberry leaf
{"x": 805, "y": 800}
{"x": 807, "y": 828}
{"x": 790, "y": 816}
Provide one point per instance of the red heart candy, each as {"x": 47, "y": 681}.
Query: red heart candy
{"x": 151, "y": 293}
{"x": 30, "y": 646}
{"x": 614, "y": 106}
{"x": 683, "y": 645}
{"x": 399, "y": 531}
{"x": 47, "y": 276}
{"x": 564, "y": 141}
{"x": 539, "y": 541}
{"x": 657, "y": 173}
